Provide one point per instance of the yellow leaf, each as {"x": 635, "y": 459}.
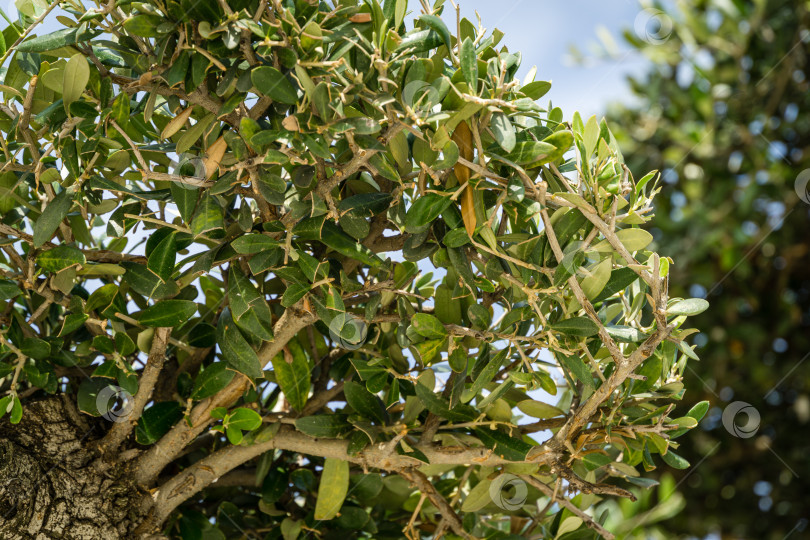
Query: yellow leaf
{"x": 468, "y": 210}
{"x": 215, "y": 154}
{"x": 462, "y": 136}
{"x": 176, "y": 123}
{"x": 333, "y": 488}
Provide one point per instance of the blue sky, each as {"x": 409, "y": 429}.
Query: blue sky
{"x": 544, "y": 30}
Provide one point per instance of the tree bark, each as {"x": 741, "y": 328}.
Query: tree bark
{"x": 51, "y": 484}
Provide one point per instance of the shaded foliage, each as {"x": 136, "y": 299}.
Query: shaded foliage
{"x": 723, "y": 113}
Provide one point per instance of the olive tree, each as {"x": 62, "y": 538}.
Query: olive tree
{"x": 293, "y": 268}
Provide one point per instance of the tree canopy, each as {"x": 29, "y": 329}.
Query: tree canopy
{"x": 322, "y": 268}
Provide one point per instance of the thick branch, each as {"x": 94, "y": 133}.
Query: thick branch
{"x": 154, "y": 364}
{"x": 204, "y": 472}
{"x": 171, "y": 445}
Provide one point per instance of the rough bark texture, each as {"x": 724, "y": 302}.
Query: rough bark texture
{"x": 49, "y": 485}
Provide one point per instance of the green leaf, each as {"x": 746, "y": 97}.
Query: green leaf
{"x": 87, "y": 396}
{"x": 72, "y": 322}
{"x": 293, "y": 293}
{"x": 437, "y": 25}
{"x": 577, "y": 326}
{"x": 9, "y": 290}
{"x": 161, "y": 260}
{"x": 236, "y": 351}
{"x": 591, "y": 136}
{"x": 691, "y": 306}
{"x": 364, "y": 402}
{"x": 157, "y": 420}
{"x": 428, "y": 326}
{"x": 120, "y": 109}
{"x": 504, "y": 131}
{"x": 537, "y": 89}
{"x": 75, "y": 79}
{"x": 366, "y": 204}
{"x": 212, "y": 379}
{"x": 478, "y": 497}
{"x": 249, "y": 244}
{"x": 429, "y": 350}
{"x": 273, "y": 84}
{"x": 674, "y": 460}
{"x": 324, "y": 425}
{"x": 440, "y": 407}
{"x": 424, "y": 211}
{"x": 51, "y": 217}
{"x": 208, "y": 217}
{"x": 101, "y": 297}
{"x": 49, "y": 42}
{"x": 627, "y": 334}
{"x": 333, "y": 488}
{"x": 6, "y": 404}
{"x": 146, "y": 283}
{"x": 538, "y": 409}
{"x": 503, "y": 445}
{"x": 620, "y": 279}
{"x": 331, "y": 235}
{"x": 249, "y": 308}
{"x": 293, "y": 377}
{"x": 485, "y": 376}
{"x": 469, "y": 65}
{"x": 193, "y": 133}
{"x": 167, "y": 313}
{"x": 16, "y": 411}
{"x": 244, "y": 419}
{"x": 552, "y": 148}
{"x": 185, "y": 199}
{"x": 59, "y": 258}
{"x": 599, "y": 276}
{"x": 699, "y": 410}
{"x": 634, "y": 239}
{"x": 577, "y": 367}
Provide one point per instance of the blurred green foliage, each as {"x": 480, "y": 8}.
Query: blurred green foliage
{"x": 723, "y": 112}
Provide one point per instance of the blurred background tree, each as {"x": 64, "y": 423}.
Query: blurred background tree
{"x": 724, "y": 114}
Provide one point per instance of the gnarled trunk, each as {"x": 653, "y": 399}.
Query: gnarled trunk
{"x": 50, "y": 482}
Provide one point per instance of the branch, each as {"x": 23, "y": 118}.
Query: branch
{"x": 171, "y": 445}
{"x": 422, "y": 482}
{"x": 154, "y": 364}
{"x": 589, "y": 521}
{"x": 203, "y": 473}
